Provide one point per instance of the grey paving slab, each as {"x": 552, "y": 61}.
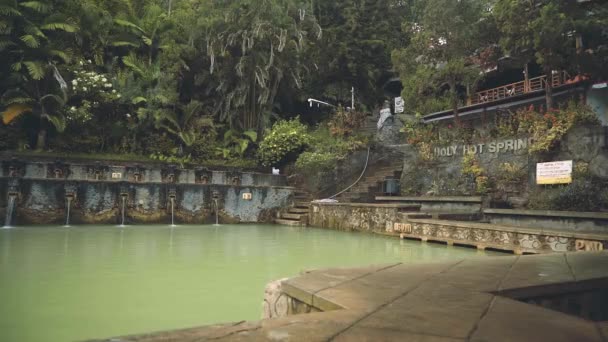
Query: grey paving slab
{"x": 510, "y": 320}
{"x": 536, "y": 270}
{"x": 192, "y": 334}
{"x": 479, "y": 274}
{"x": 603, "y": 329}
{"x": 316, "y": 280}
{"x": 433, "y": 307}
{"x": 588, "y": 265}
{"x": 381, "y": 287}
{"x": 366, "y": 334}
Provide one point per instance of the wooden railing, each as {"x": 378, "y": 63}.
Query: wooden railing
{"x": 519, "y": 88}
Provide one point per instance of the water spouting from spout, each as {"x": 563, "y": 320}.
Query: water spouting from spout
{"x": 217, "y": 219}
{"x": 124, "y": 200}
{"x": 68, "y": 206}
{"x": 9, "y": 211}
{"x": 172, "y": 212}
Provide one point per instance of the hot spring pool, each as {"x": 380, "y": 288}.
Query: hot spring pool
{"x": 65, "y": 284}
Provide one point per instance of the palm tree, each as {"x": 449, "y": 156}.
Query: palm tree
{"x": 32, "y": 44}
{"x": 263, "y": 42}
{"x": 181, "y": 123}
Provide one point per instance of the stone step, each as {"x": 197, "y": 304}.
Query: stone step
{"x": 302, "y": 204}
{"x": 298, "y": 211}
{"x": 290, "y": 216}
{"x": 288, "y": 222}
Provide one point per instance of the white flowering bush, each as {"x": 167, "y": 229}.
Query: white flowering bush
{"x": 90, "y": 90}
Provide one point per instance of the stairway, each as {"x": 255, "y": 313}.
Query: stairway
{"x": 297, "y": 215}
{"x": 371, "y": 184}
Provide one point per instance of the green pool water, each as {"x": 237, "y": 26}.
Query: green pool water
{"x": 66, "y": 284}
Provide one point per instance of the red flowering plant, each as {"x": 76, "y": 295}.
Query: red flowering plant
{"x": 547, "y": 128}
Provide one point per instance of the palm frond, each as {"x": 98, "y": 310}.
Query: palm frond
{"x": 59, "y": 27}
{"x": 4, "y": 43}
{"x": 34, "y": 31}
{"x": 13, "y": 111}
{"x": 9, "y": 11}
{"x": 60, "y": 54}
{"x": 134, "y": 64}
{"x": 30, "y": 41}
{"x": 126, "y": 23}
{"x": 253, "y": 135}
{"x": 36, "y": 69}
{"x": 58, "y": 99}
{"x": 37, "y": 6}
{"x": 18, "y": 101}
{"x": 58, "y": 121}
{"x": 124, "y": 43}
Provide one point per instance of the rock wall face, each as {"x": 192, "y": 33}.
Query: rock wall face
{"x": 352, "y": 217}
{"x": 96, "y": 194}
{"x": 442, "y": 174}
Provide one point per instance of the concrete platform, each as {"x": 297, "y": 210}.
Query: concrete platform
{"x": 483, "y": 299}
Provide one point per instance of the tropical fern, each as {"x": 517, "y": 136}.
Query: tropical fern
{"x": 59, "y": 27}
{"x": 36, "y": 69}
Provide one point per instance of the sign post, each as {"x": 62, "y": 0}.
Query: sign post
{"x": 554, "y": 173}
{"x": 399, "y": 105}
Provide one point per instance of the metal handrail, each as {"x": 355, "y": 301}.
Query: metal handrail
{"x": 519, "y": 88}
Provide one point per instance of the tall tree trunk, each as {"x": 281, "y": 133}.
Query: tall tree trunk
{"x": 549, "y": 89}
{"x": 41, "y": 141}
{"x": 454, "y": 102}
{"x": 526, "y": 79}
{"x": 42, "y": 133}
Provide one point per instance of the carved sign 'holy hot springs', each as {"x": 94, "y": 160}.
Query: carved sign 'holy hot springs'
{"x": 502, "y": 146}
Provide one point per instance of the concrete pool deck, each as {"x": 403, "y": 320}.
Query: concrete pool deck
{"x": 478, "y": 299}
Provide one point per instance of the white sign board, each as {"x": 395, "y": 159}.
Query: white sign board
{"x": 247, "y": 196}
{"x": 554, "y": 173}
{"x": 399, "y": 105}
{"x": 116, "y": 175}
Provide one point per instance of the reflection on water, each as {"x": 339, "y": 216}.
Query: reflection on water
{"x": 62, "y": 284}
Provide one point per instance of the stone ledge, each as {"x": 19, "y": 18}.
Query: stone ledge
{"x": 130, "y": 183}
{"x": 367, "y": 205}
{"x": 549, "y": 213}
{"x": 459, "y": 199}
{"x": 511, "y": 229}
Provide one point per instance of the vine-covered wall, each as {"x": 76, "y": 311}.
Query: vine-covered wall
{"x": 497, "y": 156}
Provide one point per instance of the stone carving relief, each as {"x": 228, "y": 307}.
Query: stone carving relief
{"x": 402, "y": 228}
{"x": 529, "y": 241}
{"x": 462, "y": 234}
{"x": 587, "y": 245}
{"x": 558, "y": 243}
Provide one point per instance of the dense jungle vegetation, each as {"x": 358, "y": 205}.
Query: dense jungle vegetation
{"x": 205, "y": 80}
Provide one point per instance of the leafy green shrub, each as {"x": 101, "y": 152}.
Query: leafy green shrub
{"x": 76, "y": 143}
{"x": 316, "y": 161}
{"x": 205, "y": 146}
{"x": 581, "y": 195}
{"x": 345, "y": 123}
{"x": 236, "y": 143}
{"x": 470, "y": 167}
{"x": 159, "y": 143}
{"x": 284, "y": 141}
{"x": 326, "y": 149}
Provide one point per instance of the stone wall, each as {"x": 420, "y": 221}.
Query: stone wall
{"x": 95, "y": 196}
{"x": 483, "y": 236}
{"x": 354, "y": 217}
{"x": 443, "y": 174}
